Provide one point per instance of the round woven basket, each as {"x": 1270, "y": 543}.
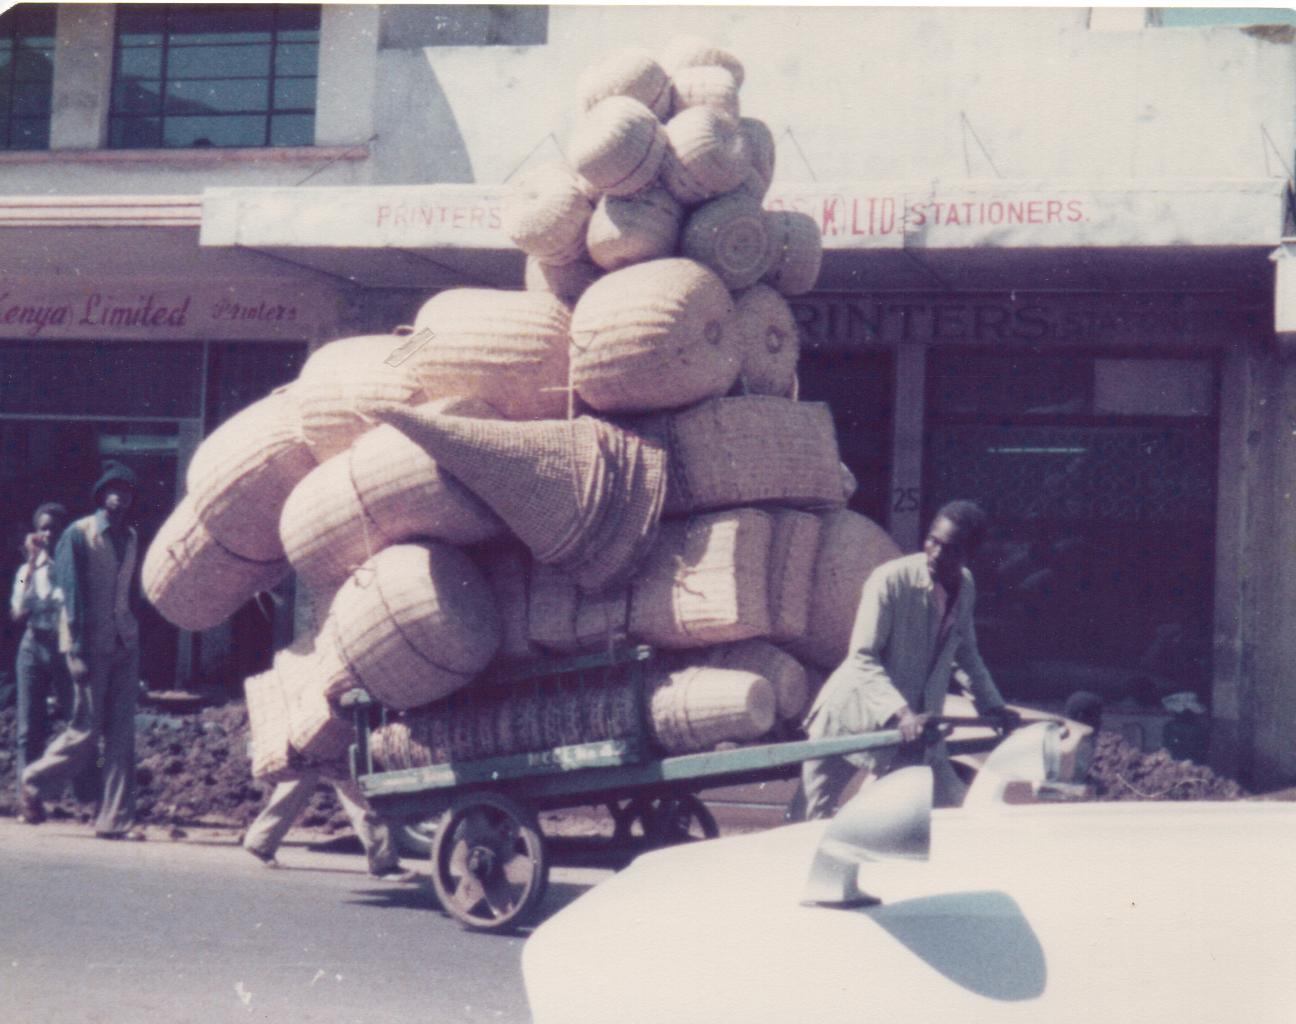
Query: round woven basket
{"x": 195, "y": 583}
{"x": 793, "y": 548}
{"x": 785, "y": 673}
{"x": 618, "y": 146}
{"x": 627, "y": 72}
{"x": 415, "y": 623}
{"x": 729, "y": 236}
{"x": 507, "y": 348}
{"x": 769, "y": 342}
{"x": 633, "y": 229}
{"x": 706, "y": 155}
{"x": 545, "y": 213}
{"x": 653, "y": 336}
{"x": 565, "y": 281}
{"x": 697, "y": 707}
{"x": 760, "y": 149}
{"x": 704, "y": 86}
{"x": 688, "y": 51}
{"x": 242, "y": 473}
{"x": 341, "y": 382}
{"x": 797, "y": 250}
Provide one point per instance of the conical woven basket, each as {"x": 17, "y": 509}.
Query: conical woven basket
{"x": 416, "y": 623}
{"x": 705, "y": 581}
{"x": 797, "y": 249}
{"x": 242, "y": 473}
{"x": 705, "y": 86}
{"x": 565, "y": 281}
{"x": 627, "y": 72}
{"x": 618, "y": 146}
{"x": 760, "y": 150}
{"x": 507, "y": 348}
{"x": 785, "y": 673}
{"x": 690, "y": 51}
{"x": 508, "y": 570}
{"x": 851, "y": 546}
{"x": 729, "y": 236}
{"x": 546, "y": 211}
{"x": 753, "y": 450}
{"x": 341, "y": 382}
{"x": 192, "y": 581}
{"x": 769, "y": 341}
{"x": 793, "y": 548}
{"x": 273, "y": 758}
{"x": 697, "y": 707}
{"x": 633, "y": 229}
{"x": 706, "y": 155}
{"x": 653, "y": 336}
{"x": 316, "y": 730}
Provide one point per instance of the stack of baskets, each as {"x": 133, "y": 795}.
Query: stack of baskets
{"x": 614, "y": 455}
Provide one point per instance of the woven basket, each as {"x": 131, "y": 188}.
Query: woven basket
{"x": 562, "y": 618}
{"x": 793, "y": 549}
{"x": 416, "y": 622}
{"x": 627, "y": 72}
{"x": 705, "y": 581}
{"x": 760, "y": 151}
{"x": 341, "y": 382}
{"x": 706, "y": 155}
{"x": 242, "y": 473}
{"x": 336, "y": 677}
{"x": 851, "y": 546}
{"x": 729, "y": 236}
{"x": 507, "y": 348}
{"x": 653, "y": 336}
{"x": 689, "y": 51}
{"x": 752, "y": 450}
{"x": 705, "y": 86}
{"x": 565, "y": 281}
{"x": 785, "y": 673}
{"x": 697, "y": 707}
{"x": 618, "y": 146}
{"x": 769, "y": 341}
{"x": 633, "y": 229}
{"x": 508, "y": 570}
{"x": 797, "y": 249}
{"x": 545, "y": 213}
{"x": 273, "y": 758}
{"x": 316, "y": 729}
{"x": 192, "y": 581}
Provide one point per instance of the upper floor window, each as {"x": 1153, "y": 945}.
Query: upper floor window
{"x": 189, "y": 76}
{"x": 26, "y": 75}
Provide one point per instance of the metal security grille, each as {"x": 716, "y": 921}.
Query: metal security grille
{"x": 26, "y": 75}
{"x": 209, "y": 76}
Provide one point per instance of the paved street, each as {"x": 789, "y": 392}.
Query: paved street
{"x": 196, "y": 931}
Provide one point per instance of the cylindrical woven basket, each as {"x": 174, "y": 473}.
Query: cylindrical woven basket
{"x": 690, "y": 51}
{"x": 769, "y": 341}
{"x": 192, "y": 581}
{"x": 760, "y": 150}
{"x": 508, "y": 567}
{"x": 341, "y": 382}
{"x": 627, "y": 72}
{"x": 753, "y": 450}
{"x": 415, "y": 623}
{"x": 653, "y": 336}
{"x": 633, "y": 229}
{"x": 706, "y": 155}
{"x": 546, "y": 211}
{"x": 507, "y": 348}
{"x": 565, "y": 281}
{"x": 273, "y": 758}
{"x": 729, "y": 236}
{"x": 851, "y": 546}
{"x": 242, "y": 473}
{"x": 705, "y": 581}
{"x": 551, "y": 609}
{"x": 316, "y": 729}
{"x": 705, "y": 86}
{"x": 618, "y": 146}
{"x": 793, "y": 548}
{"x": 697, "y": 707}
{"x": 797, "y": 249}
{"x": 785, "y": 673}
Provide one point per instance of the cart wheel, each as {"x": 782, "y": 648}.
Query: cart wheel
{"x": 489, "y": 866}
{"x": 679, "y": 819}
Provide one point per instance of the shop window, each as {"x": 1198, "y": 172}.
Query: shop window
{"x": 26, "y": 75}
{"x": 211, "y": 76}
{"x": 241, "y": 372}
{"x": 1099, "y": 478}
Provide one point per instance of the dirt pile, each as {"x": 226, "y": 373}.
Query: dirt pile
{"x": 1121, "y": 771}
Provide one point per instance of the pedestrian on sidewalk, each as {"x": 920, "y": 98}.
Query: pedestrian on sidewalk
{"x": 94, "y": 567}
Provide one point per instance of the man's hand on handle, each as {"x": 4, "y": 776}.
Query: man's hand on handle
{"x": 910, "y": 725}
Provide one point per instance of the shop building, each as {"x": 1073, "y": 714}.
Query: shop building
{"x": 1048, "y": 282}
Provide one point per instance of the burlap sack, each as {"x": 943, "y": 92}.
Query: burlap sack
{"x": 653, "y": 336}
{"x": 415, "y": 623}
{"x": 316, "y": 729}
{"x": 705, "y": 86}
{"x": 689, "y": 51}
{"x": 728, "y": 235}
{"x": 617, "y": 146}
{"x": 851, "y": 546}
{"x": 192, "y": 581}
{"x": 705, "y": 581}
{"x": 785, "y": 673}
{"x": 768, "y": 340}
{"x": 797, "y": 248}
{"x": 273, "y": 758}
{"x": 695, "y": 708}
{"x": 793, "y": 549}
{"x": 507, "y": 348}
{"x": 633, "y": 229}
{"x": 565, "y": 281}
{"x": 546, "y": 211}
{"x": 508, "y": 568}
{"x": 627, "y": 72}
{"x": 706, "y": 155}
{"x": 242, "y": 473}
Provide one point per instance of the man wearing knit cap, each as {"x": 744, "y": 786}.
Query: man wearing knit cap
{"x": 95, "y": 568}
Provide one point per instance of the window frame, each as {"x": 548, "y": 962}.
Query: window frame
{"x": 10, "y": 80}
